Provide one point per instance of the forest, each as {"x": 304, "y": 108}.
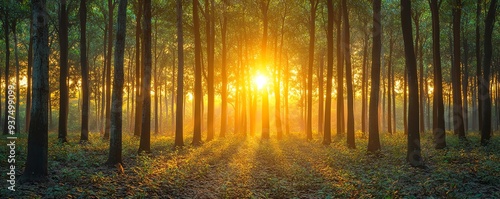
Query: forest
{"x": 250, "y": 99}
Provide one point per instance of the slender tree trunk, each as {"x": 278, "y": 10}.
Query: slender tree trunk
{"x": 155, "y": 78}
{"x": 16, "y": 57}
{"x": 145, "y": 143}
{"x": 320, "y": 94}
{"x": 36, "y": 162}
{"x": 63, "y": 78}
{"x": 312, "y": 35}
{"x": 438, "y": 127}
{"x": 277, "y": 83}
{"x": 210, "y": 26}
{"x": 6, "y": 30}
{"x": 364, "y": 83}
{"x": 350, "y": 94}
{"x": 138, "y": 69}
{"x": 340, "y": 78}
{"x": 108, "y": 70}
{"x": 465, "y": 82}
{"x": 413, "y": 153}
{"x": 478, "y": 64}
{"x": 179, "y": 137}
{"x": 223, "y": 126}
{"x": 197, "y": 79}
{"x": 485, "y": 85}
{"x": 265, "y": 93}
{"x": 389, "y": 85}
{"x": 84, "y": 136}
{"x": 373, "y": 139}
{"x": 327, "y": 136}
{"x": 458, "y": 122}
{"x": 115, "y": 141}
{"x": 28, "y": 76}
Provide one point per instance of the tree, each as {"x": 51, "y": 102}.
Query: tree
{"x": 458, "y": 120}
{"x": 145, "y": 143}
{"x": 6, "y": 30}
{"x": 373, "y": 130}
{"x": 438, "y": 106}
{"x": 36, "y": 162}
{"x": 138, "y": 68}
{"x": 210, "y": 22}
{"x": 84, "y": 136}
{"x": 327, "y": 137}
{"x": 348, "y": 73}
{"x": 108, "y": 70}
{"x": 485, "y": 85}
{"x": 115, "y": 141}
{"x": 223, "y": 125}
{"x": 63, "y": 67}
{"x": 264, "y": 7}
{"x": 413, "y": 152}
{"x": 478, "y": 63}
{"x": 197, "y": 76}
{"x": 179, "y": 138}
{"x": 340, "y": 78}
{"x": 312, "y": 35}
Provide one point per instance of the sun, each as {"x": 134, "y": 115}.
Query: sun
{"x": 260, "y": 81}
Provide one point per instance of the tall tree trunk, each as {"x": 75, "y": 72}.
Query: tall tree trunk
{"x": 108, "y": 70}
{"x": 327, "y": 136}
{"x": 465, "y": 83}
{"x": 350, "y": 94}
{"x": 155, "y": 78}
{"x": 16, "y": 57}
{"x": 210, "y": 26}
{"x": 312, "y": 35}
{"x": 277, "y": 83}
{"x": 145, "y": 143}
{"x": 265, "y": 94}
{"x": 197, "y": 76}
{"x": 223, "y": 126}
{"x": 479, "y": 75}
{"x": 115, "y": 141}
{"x": 138, "y": 69}
{"x": 438, "y": 126}
{"x": 485, "y": 85}
{"x": 84, "y": 136}
{"x": 340, "y": 78}
{"x": 389, "y": 85}
{"x": 373, "y": 139}
{"x": 320, "y": 94}
{"x": 36, "y": 162}
{"x": 458, "y": 122}
{"x": 364, "y": 83}
{"x": 413, "y": 153}
{"x": 63, "y": 78}
{"x": 179, "y": 137}
{"x": 6, "y": 30}
{"x": 29, "y": 76}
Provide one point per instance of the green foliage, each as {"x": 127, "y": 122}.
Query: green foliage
{"x": 238, "y": 167}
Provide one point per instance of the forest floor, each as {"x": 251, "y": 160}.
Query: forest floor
{"x": 239, "y": 167}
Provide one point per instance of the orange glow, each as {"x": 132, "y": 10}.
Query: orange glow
{"x": 260, "y": 81}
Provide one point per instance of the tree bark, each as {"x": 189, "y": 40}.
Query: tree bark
{"x": 312, "y": 35}
{"x": 84, "y": 136}
{"x": 179, "y": 120}
{"x": 350, "y": 94}
{"x": 438, "y": 126}
{"x": 197, "y": 76}
{"x": 115, "y": 141}
{"x": 327, "y": 136}
{"x": 458, "y": 122}
{"x": 485, "y": 85}
{"x": 373, "y": 139}
{"x": 145, "y": 142}
{"x": 138, "y": 69}
{"x": 36, "y": 162}
{"x": 63, "y": 78}
{"x": 413, "y": 152}
{"x": 108, "y": 70}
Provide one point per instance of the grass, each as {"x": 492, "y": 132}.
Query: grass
{"x": 245, "y": 167}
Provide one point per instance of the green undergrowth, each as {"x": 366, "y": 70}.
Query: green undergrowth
{"x": 246, "y": 167}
